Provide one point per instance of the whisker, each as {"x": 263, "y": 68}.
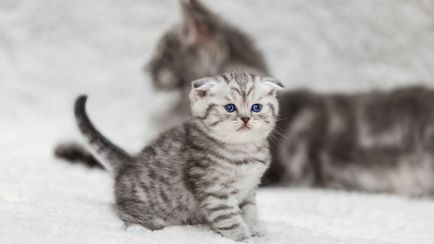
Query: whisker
{"x": 273, "y": 131}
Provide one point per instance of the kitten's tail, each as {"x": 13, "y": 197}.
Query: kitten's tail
{"x": 110, "y": 155}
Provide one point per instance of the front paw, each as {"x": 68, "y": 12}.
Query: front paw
{"x": 242, "y": 237}
{"x": 257, "y": 231}
{"x": 239, "y": 233}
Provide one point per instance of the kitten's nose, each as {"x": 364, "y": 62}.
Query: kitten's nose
{"x": 245, "y": 119}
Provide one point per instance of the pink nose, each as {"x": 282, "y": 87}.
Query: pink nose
{"x": 245, "y": 119}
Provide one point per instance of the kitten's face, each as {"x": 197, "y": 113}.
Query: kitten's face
{"x": 236, "y": 108}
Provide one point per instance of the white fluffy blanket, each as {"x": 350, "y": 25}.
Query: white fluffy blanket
{"x": 50, "y": 51}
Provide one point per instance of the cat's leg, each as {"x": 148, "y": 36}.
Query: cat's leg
{"x": 223, "y": 214}
{"x": 133, "y": 212}
{"x": 74, "y": 152}
{"x": 250, "y": 214}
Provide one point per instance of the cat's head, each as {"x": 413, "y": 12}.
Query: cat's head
{"x": 235, "y": 107}
{"x": 201, "y": 45}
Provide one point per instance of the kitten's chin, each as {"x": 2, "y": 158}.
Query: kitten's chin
{"x": 243, "y": 136}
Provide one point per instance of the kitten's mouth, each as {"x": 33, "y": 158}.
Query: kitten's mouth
{"x": 244, "y": 128}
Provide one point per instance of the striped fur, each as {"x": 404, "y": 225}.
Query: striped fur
{"x": 200, "y": 172}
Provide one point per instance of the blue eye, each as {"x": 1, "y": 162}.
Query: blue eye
{"x": 256, "y": 108}
{"x": 230, "y": 108}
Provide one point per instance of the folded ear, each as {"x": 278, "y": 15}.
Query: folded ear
{"x": 196, "y": 21}
{"x": 273, "y": 83}
{"x": 202, "y": 86}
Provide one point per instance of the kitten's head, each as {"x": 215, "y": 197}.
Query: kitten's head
{"x": 235, "y": 107}
{"x": 201, "y": 45}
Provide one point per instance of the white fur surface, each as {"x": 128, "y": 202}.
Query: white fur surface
{"x": 50, "y": 51}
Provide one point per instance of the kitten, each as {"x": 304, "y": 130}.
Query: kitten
{"x": 204, "y": 171}
{"x": 201, "y": 45}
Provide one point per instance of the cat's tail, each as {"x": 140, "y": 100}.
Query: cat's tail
{"x": 107, "y": 153}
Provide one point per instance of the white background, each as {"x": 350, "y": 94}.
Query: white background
{"x": 51, "y": 51}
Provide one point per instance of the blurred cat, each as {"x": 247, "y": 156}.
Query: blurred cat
{"x": 373, "y": 142}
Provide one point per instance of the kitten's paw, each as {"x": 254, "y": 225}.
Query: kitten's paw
{"x": 238, "y": 234}
{"x": 257, "y": 231}
{"x": 135, "y": 228}
{"x": 241, "y": 237}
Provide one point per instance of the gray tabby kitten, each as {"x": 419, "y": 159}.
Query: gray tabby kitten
{"x": 204, "y": 171}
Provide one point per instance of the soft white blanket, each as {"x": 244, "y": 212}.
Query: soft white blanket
{"x": 50, "y": 51}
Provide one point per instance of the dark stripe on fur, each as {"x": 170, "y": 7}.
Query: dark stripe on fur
{"x": 207, "y": 111}
{"x": 243, "y": 204}
{"x": 249, "y": 92}
{"x": 215, "y": 195}
{"x": 236, "y": 90}
{"x": 223, "y": 217}
{"x": 219, "y": 208}
{"x": 273, "y": 110}
{"x": 230, "y": 227}
{"x": 217, "y": 122}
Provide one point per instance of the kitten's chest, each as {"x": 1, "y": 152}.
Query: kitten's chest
{"x": 245, "y": 178}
